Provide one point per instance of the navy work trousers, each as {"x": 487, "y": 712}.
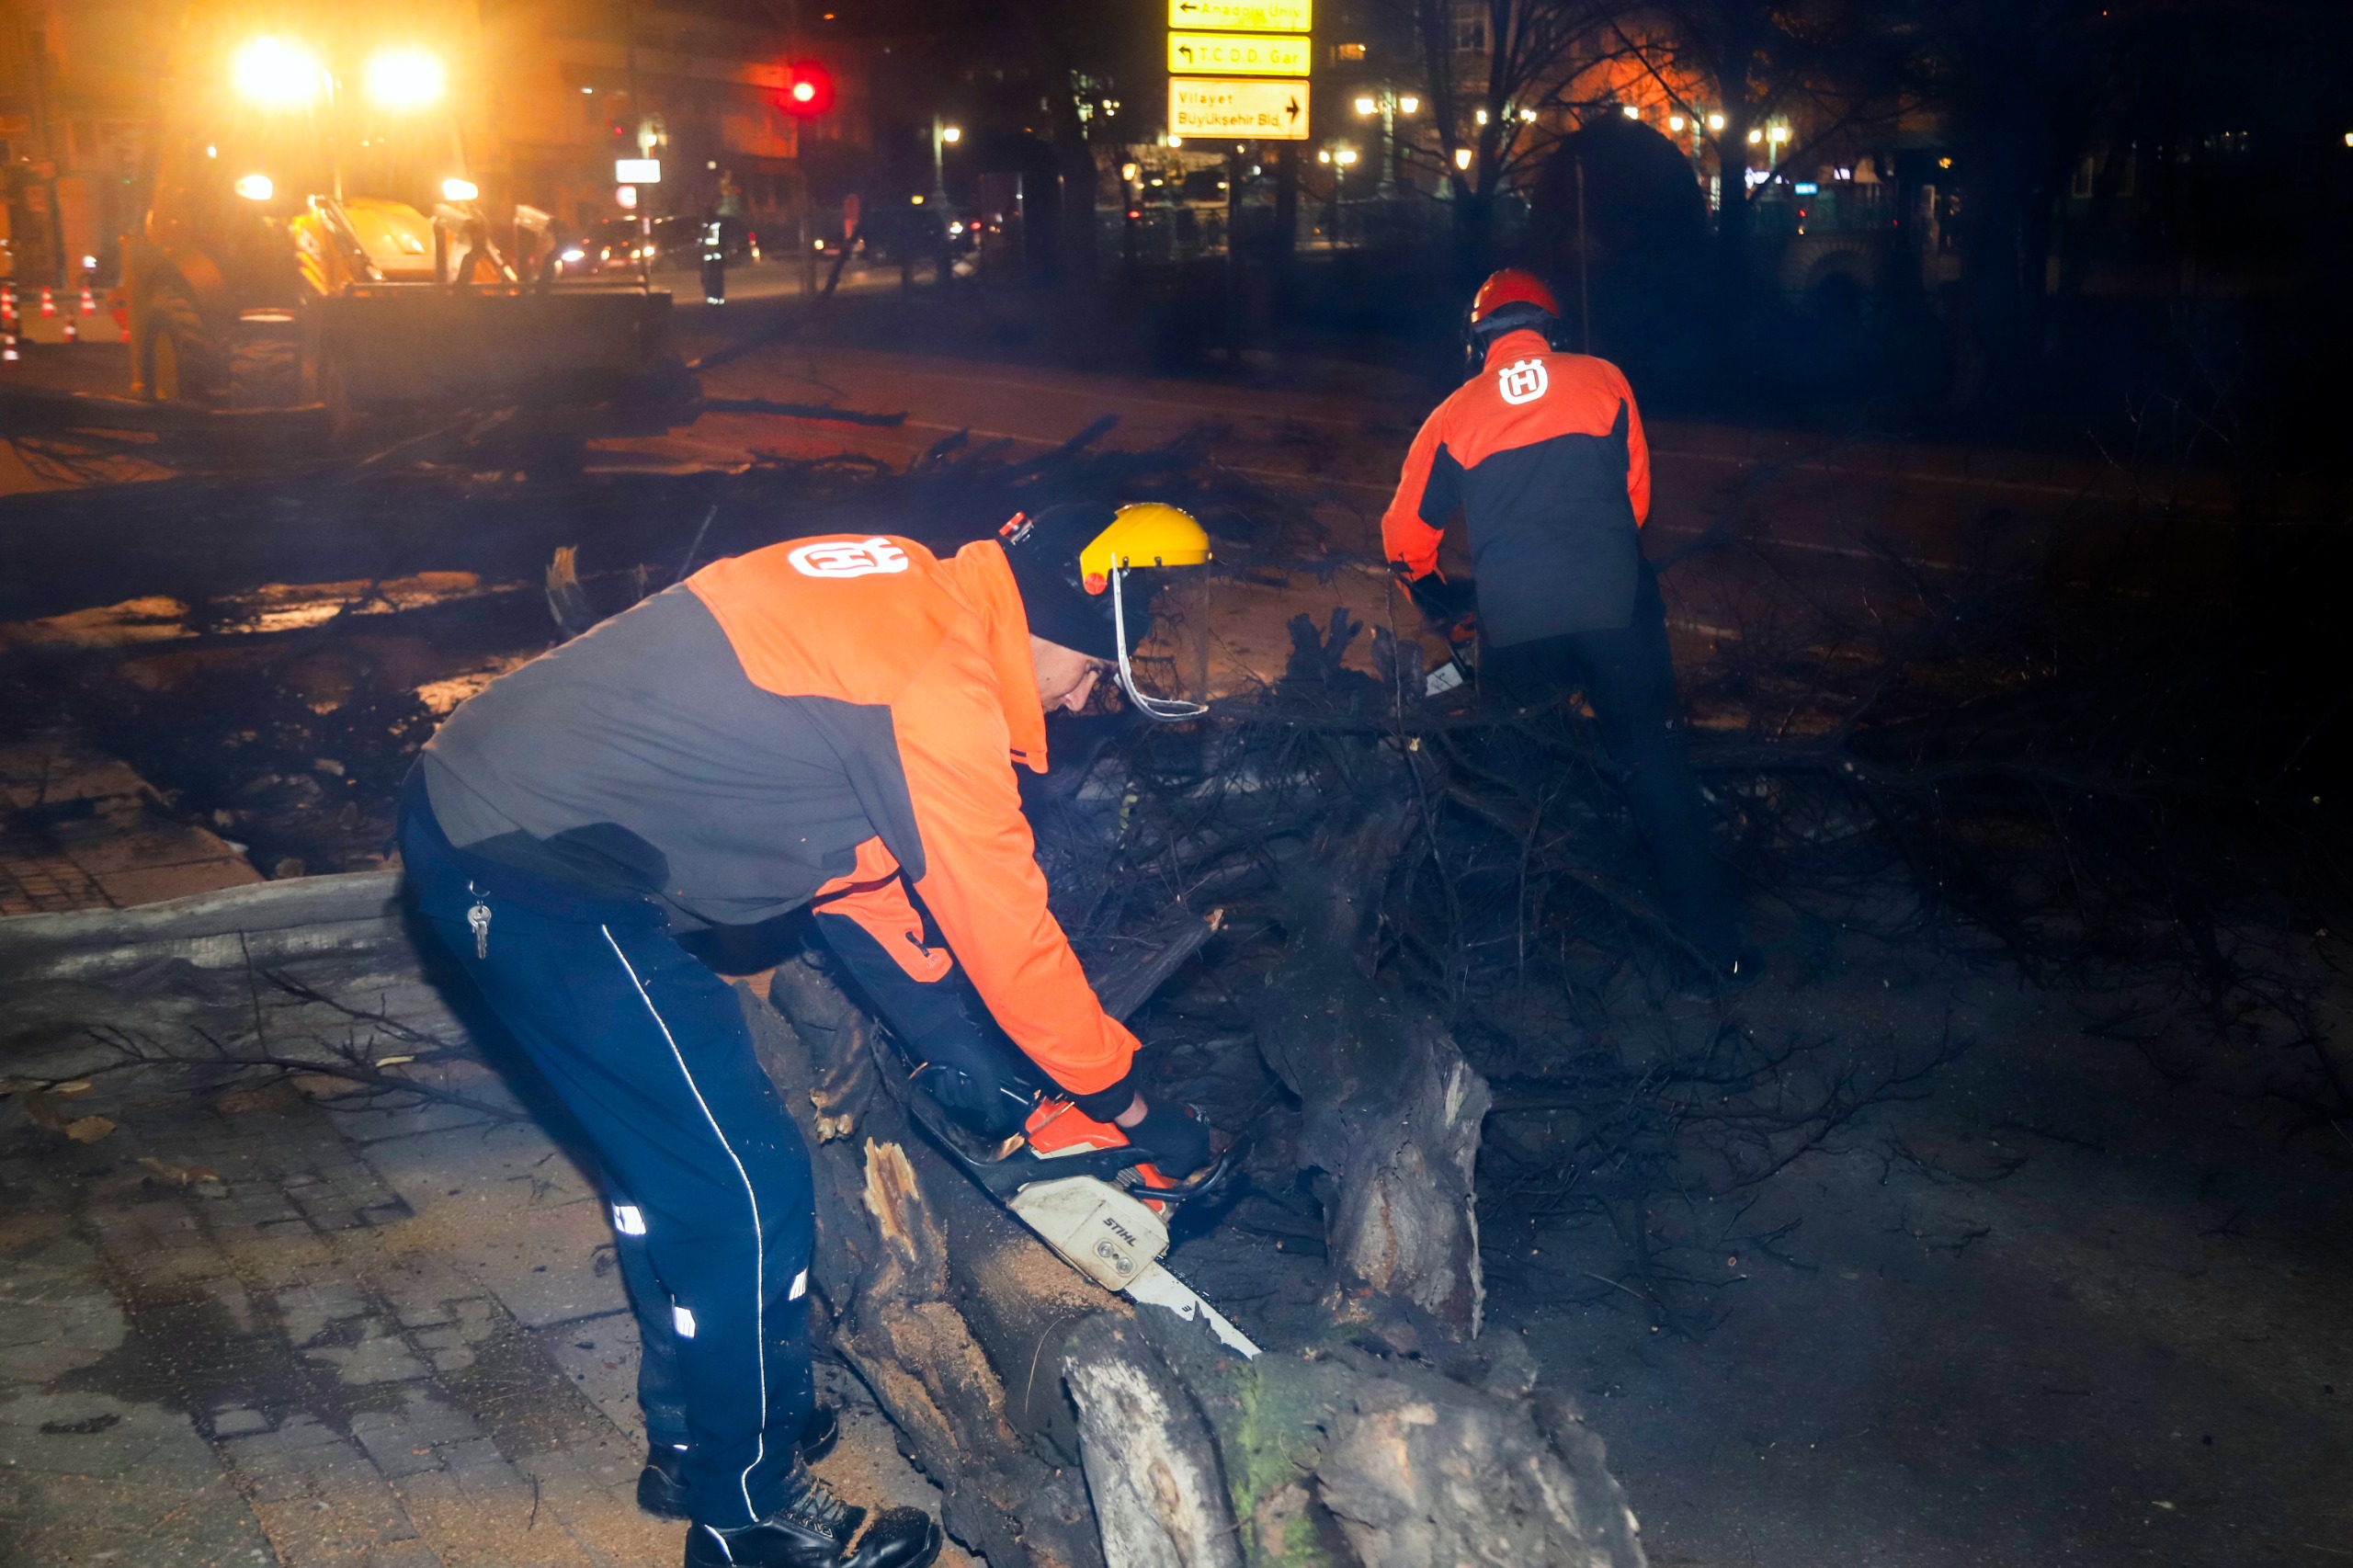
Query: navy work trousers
{"x": 708, "y": 1178}
{"x": 1628, "y": 676}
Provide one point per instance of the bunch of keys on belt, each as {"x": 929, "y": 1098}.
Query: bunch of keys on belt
{"x": 478, "y": 921}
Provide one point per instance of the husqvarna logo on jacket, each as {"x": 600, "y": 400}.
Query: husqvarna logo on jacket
{"x": 847, "y": 558}
{"x": 1522, "y": 381}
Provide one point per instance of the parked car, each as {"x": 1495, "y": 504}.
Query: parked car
{"x": 613, "y": 246}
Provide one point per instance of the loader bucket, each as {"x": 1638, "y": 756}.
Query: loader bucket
{"x": 388, "y": 349}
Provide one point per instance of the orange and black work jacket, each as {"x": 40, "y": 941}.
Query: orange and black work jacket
{"x": 821, "y": 720}
{"x": 1544, "y": 453}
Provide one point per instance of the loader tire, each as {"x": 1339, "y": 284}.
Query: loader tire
{"x": 179, "y": 359}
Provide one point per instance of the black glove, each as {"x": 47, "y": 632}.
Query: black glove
{"x": 1443, "y": 603}
{"x": 1179, "y": 1140}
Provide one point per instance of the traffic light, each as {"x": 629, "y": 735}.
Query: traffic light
{"x": 808, "y": 89}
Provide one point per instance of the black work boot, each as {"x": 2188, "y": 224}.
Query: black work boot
{"x": 813, "y": 1531}
{"x": 661, "y": 1484}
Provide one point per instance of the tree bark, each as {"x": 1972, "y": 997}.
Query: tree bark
{"x": 1009, "y": 1375}
{"x": 1392, "y": 1112}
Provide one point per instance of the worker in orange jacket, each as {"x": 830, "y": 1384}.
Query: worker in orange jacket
{"x": 833, "y": 722}
{"x": 1544, "y": 453}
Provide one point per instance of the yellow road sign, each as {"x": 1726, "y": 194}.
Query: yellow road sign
{"x": 1243, "y": 15}
{"x": 1238, "y": 54}
{"x": 1215, "y": 109}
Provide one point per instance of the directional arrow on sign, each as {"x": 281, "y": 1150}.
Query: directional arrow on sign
{"x": 1187, "y": 50}
{"x": 1292, "y": 108}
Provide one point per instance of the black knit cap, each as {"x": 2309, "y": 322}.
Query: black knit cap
{"x": 1043, "y": 549}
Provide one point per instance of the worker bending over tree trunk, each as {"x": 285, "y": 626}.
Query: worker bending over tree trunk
{"x": 831, "y": 721}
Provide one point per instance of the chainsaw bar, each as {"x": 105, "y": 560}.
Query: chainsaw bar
{"x": 1090, "y": 1209}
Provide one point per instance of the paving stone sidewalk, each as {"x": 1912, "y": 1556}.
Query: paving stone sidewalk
{"x": 285, "y": 1327}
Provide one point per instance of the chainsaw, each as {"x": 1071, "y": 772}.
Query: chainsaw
{"x": 1451, "y": 609}
{"x": 1093, "y": 1197}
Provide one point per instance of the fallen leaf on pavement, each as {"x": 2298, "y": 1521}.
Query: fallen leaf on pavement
{"x": 89, "y": 1129}
{"x": 180, "y": 1176}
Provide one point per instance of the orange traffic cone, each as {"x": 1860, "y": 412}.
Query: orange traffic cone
{"x": 47, "y": 300}
{"x": 71, "y": 335}
{"x": 8, "y": 354}
{"x": 89, "y": 306}
{"x": 7, "y": 303}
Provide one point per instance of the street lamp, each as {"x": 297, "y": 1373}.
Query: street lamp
{"x": 1715, "y": 122}
{"x": 1365, "y": 106}
{"x": 1408, "y": 103}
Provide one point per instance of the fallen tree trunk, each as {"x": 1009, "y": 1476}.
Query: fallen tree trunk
{"x": 1016, "y": 1381}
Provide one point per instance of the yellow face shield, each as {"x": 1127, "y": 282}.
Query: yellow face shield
{"x": 1146, "y": 535}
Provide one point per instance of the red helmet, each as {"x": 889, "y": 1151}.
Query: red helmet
{"x": 1512, "y": 286}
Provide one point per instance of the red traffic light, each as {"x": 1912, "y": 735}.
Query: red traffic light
{"x": 807, "y": 88}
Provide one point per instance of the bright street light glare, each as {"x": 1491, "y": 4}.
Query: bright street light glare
{"x": 1778, "y": 133}
{"x": 456, "y": 190}
{"x": 406, "y": 78}
{"x": 1755, "y": 135}
{"x": 1462, "y": 157}
{"x": 1409, "y": 104}
{"x": 1632, "y": 112}
{"x": 1715, "y": 122}
{"x": 256, "y": 187}
{"x": 275, "y": 74}
{"x": 1366, "y": 106}
{"x": 951, "y": 133}
{"x": 1675, "y": 122}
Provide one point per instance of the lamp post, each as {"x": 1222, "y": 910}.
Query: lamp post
{"x": 943, "y": 135}
{"x": 1389, "y": 104}
{"x": 1339, "y": 156}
